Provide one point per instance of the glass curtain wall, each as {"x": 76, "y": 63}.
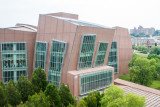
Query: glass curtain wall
{"x": 101, "y": 53}
{"x": 58, "y": 51}
{"x": 95, "y": 80}
{"x": 14, "y": 60}
{"x": 113, "y": 58}
{"x": 41, "y": 52}
{"x": 86, "y": 51}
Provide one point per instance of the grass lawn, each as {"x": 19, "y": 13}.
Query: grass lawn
{"x": 124, "y": 77}
{"x": 155, "y": 84}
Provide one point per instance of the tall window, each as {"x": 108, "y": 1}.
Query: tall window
{"x": 14, "y": 60}
{"x": 95, "y": 80}
{"x": 101, "y": 53}
{"x": 86, "y": 51}
{"x": 41, "y": 52}
{"x": 58, "y": 51}
{"x": 113, "y": 58}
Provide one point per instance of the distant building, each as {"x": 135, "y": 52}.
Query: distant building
{"x": 146, "y": 31}
{"x": 143, "y": 41}
{"x": 157, "y": 40}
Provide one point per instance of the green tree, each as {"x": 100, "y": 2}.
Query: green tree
{"x": 142, "y": 49}
{"x": 133, "y": 34}
{"x": 133, "y": 100}
{"x": 82, "y": 103}
{"x": 3, "y": 95}
{"x": 37, "y": 100}
{"x": 142, "y": 71}
{"x": 155, "y": 50}
{"x": 158, "y": 70}
{"x": 147, "y": 35}
{"x": 24, "y": 87}
{"x": 66, "y": 96}
{"x": 115, "y": 97}
{"x": 13, "y": 95}
{"x": 53, "y": 94}
{"x": 155, "y": 44}
{"x": 154, "y": 56}
{"x": 133, "y": 46}
{"x": 156, "y": 33}
{"x": 153, "y": 68}
{"x": 39, "y": 80}
{"x": 131, "y": 63}
{"x": 93, "y": 99}
{"x": 157, "y": 65}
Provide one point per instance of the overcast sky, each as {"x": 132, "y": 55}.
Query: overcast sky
{"x": 124, "y": 13}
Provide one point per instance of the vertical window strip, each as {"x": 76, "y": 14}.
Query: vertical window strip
{"x": 86, "y": 51}
{"x": 113, "y": 57}
{"x": 58, "y": 51}
{"x": 41, "y": 54}
{"x": 101, "y": 53}
{"x": 14, "y": 60}
{"x": 95, "y": 81}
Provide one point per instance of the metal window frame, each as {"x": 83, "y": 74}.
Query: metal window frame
{"x": 98, "y": 51}
{"x": 91, "y": 74}
{"x": 64, "y": 53}
{"x": 117, "y": 62}
{"x": 44, "y": 51}
{"x": 78, "y": 68}
{"x": 16, "y": 69}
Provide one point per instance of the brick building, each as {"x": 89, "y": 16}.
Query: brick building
{"x": 85, "y": 55}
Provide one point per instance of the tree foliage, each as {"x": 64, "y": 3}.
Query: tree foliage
{"x": 115, "y": 97}
{"x": 142, "y": 49}
{"x": 24, "y": 87}
{"x": 39, "y": 80}
{"x": 156, "y": 33}
{"x": 66, "y": 96}
{"x": 93, "y": 99}
{"x": 155, "y": 50}
{"x": 154, "y": 56}
{"x": 141, "y": 34}
{"x": 142, "y": 71}
{"x": 131, "y": 63}
{"x": 157, "y": 65}
{"x": 133, "y": 100}
{"x": 13, "y": 95}
{"x": 37, "y": 100}
{"x": 53, "y": 95}
{"x": 3, "y": 96}
{"x": 82, "y": 103}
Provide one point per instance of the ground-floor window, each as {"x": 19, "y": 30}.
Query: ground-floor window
{"x": 95, "y": 80}
{"x": 13, "y": 75}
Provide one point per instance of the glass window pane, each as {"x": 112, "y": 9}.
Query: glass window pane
{"x": 14, "y": 58}
{"x": 94, "y": 81}
{"x": 56, "y": 61}
{"x": 86, "y": 51}
{"x": 113, "y": 57}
